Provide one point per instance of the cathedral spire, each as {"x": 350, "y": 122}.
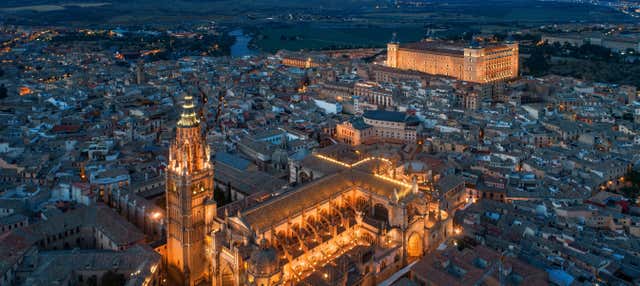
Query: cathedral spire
{"x": 188, "y": 117}
{"x": 189, "y": 152}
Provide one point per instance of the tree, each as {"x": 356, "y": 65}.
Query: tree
{"x": 3, "y": 91}
{"x": 537, "y": 63}
{"x": 632, "y": 190}
{"x": 630, "y": 193}
{"x": 92, "y": 281}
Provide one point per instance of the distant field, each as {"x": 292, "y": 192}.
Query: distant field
{"x": 542, "y": 12}
{"x": 49, "y": 8}
{"x": 123, "y": 12}
{"x": 37, "y": 8}
{"x": 314, "y": 37}
{"x": 502, "y": 11}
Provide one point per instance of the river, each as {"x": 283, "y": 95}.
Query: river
{"x": 241, "y": 47}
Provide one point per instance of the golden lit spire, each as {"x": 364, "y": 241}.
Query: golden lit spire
{"x": 188, "y": 118}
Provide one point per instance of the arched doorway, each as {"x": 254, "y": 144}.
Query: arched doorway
{"x": 414, "y": 245}
{"x": 303, "y": 177}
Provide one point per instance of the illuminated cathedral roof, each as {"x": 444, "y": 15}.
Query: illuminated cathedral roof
{"x": 278, "y": 209}
{"x": 188, "y": 117}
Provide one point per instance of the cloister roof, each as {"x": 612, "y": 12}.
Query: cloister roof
{"x": 276, "y": 210}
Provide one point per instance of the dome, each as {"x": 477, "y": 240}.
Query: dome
{"x": 430, "y": 220}
{"x": 264, "y": 260}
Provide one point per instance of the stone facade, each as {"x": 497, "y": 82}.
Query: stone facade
{"x": 493, "y": 63}
{"x": 379, "y": 126}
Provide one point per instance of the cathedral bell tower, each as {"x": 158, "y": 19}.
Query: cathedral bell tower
{"x": 189, "y": 195}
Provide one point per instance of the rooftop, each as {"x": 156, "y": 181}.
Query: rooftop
{"x": 385, "y": 115}
{"x": 326, "y": 188}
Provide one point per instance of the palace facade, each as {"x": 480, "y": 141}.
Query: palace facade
{"x": 378, "y": 126}
{"x": 473, "y": 63}
{"x": 300, "y": 60}
{"x": 373, "y": 93}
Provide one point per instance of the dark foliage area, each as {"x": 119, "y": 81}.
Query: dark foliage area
{"x": 167, "y": 47}
{"x": 633, "y": 190}
{"x": 3, "y": 91}
{"x": 588, "y": 62}
{"x": 112, "y": 279}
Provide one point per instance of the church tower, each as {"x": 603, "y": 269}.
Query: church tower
{"x": 189, "y": 195}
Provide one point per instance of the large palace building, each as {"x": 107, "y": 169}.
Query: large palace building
{"x": 474, "y": 63}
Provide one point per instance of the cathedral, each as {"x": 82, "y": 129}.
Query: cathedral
{"x": 352, "y": 224}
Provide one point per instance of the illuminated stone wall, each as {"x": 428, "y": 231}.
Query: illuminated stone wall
{"x": 480, "y": 65}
